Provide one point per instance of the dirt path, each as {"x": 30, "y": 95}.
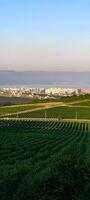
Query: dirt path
{"x": 46, "y": 119}
{"x": 32, "y": 104}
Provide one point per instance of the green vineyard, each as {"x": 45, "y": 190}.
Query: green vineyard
{"x": 29, "y": 149}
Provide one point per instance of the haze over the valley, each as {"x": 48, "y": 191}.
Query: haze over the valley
{"x": 51, "y": 35}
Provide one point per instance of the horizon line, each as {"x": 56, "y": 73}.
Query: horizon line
{"x": 31, "y": 70}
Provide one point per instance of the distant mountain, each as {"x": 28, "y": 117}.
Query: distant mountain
{"x": 44, "y": 79}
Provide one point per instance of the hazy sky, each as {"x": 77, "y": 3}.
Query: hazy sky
{"x": 45, "y": 35}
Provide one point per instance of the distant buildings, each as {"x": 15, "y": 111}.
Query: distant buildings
{"x": 42, "y": 92}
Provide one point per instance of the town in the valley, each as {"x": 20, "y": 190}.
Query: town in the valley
{"x": 43, "y": 93}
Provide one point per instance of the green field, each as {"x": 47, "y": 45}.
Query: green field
{"x": 53, "y": 112}
{"x": 33, "y": 156}
{"x": 86, "y": 103}
{"x": 15, "y": 109}
{"x": 59, "y": 112}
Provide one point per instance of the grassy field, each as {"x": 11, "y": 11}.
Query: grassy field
{"x": 49, "y": 105}
{"x": 60, "y": 112}
{"x": 66, "y": 107}
{"x": 31, "y": 158}
{"x": 16, "y": 108}
{"x": 86, "y": 103}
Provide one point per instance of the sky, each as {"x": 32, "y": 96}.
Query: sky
{"x": 45, "y": 35}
